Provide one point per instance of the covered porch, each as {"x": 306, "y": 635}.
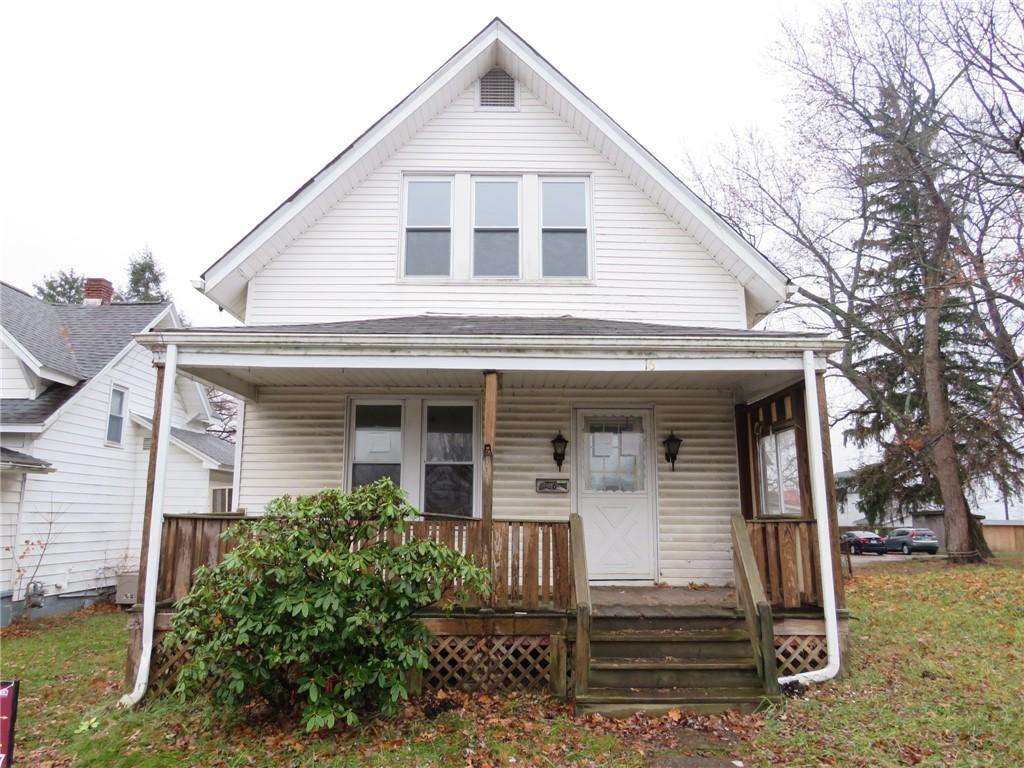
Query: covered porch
{"x": 550, "y": 458}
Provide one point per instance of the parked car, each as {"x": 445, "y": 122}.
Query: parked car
{"x": 907, "y": 540}
{"x": 858, "y": 542}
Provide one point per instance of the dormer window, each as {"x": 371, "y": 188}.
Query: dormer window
{"x": 564, "y": 228}
{"x": 497, "y": 90}
{"x": 496, "y": 228}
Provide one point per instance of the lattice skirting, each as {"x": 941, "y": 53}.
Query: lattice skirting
{"x": 489, "y": 663}
{"x": 800, "y": 653}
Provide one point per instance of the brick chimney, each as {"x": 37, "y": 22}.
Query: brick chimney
{"x": 98, "y": 291}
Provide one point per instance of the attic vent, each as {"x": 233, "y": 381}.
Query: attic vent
{"x": 147, "y": 443}
{"x": 498, "y": 89}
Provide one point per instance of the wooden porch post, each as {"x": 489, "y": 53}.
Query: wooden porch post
{"x": 490, "y": 427}
{"x": 150, "y": 474}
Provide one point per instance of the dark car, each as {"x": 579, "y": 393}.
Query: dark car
{"x": 856, "y": 542}
{"x": 907, "y": 540}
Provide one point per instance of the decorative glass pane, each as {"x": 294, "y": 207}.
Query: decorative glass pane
{"x": 449, "y": 433}
{"x": 448, "y": 490}
{"x": 497, "y": 204}
{"x": 378, "y": 434}
{"x": 428, "y": 252}
{"x": 114, "y": 426}
{"x": 789, "y": 472}
{"x": 616, "y": 454}
{"x": 565, "y": 204}
{"x": 429, "y": 204}
{"x": 564, "y": 253}
{"x": 364, "y": 474}
{"x": 495, "y": 253}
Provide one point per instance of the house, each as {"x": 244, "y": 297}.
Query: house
{"x": 77, "y": 395}
{"x": 499, "y": 298}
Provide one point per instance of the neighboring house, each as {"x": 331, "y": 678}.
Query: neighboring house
{"x": 499, "y": 298}
{"x": 77, "y": 392}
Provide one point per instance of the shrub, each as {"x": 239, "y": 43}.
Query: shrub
{"x": 313, "y": 609}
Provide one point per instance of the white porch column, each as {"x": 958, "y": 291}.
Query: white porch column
{"x": 163, "y": 438}
{"x": 819, "y": 502}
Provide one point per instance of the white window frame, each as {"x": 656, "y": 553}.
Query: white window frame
{"x": 229, "y": 489}
{"x": 543, "y": 179}
{"x": 350, "y": 440}
{"x": 411, "y": 179}
{"x": 123, "y": 415}
{"x": 476, "y": 451}
{"x": 481, "y": 108}
{"x": 518, "y": 181}
{"x": 762, "y": 474}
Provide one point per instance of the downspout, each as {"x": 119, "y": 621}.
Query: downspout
{"x": 163, "y": 438}
{"x": 818, "y": 498}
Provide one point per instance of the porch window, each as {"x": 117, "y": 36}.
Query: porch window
{"x": 115, "y": 415}
{"x": 496, "y": 229}
{"x": 448, "y": 461}
{"x": 377, "y": 449}
{"x": 564, "y": 228}
{"x": 428, "y": 228}
{"x": 780, "y": 474}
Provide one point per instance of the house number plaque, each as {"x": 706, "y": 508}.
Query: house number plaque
{"x": 552, "y": 485}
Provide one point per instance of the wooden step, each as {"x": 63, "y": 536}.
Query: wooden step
{"x": 671, "y": 662}
{"x": 677, "y": 643}
{"x": 617, "y": 702}
{"x": 602, "y": 622}
{"x": 670, "y": 635}
{"x": 673, "y": 672}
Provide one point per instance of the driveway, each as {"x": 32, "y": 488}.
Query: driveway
{"x": 866, "y": 561}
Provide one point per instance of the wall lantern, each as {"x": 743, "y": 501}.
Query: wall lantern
{"x": 558, "y": 443}
{"x": 672, "y": 445}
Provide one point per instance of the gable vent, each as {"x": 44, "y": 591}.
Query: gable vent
{"x": 147, "y": 443}
{"x": 497, "y": 89}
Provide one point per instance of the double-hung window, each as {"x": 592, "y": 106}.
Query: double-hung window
{"x": 448, "y": 480}
{"x": 780, "y": 473}
{"x": 115, "y": 415}
{"x": 495, "y": 228}
{"x": 564, "y": 228}
{"x": 428, "y": 228}
{"x": 377, "y": 443}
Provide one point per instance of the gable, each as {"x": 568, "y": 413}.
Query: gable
{"x": 16, "y": 381}
{"x": 345, "y": 265}
{"x": 227, "y": 281}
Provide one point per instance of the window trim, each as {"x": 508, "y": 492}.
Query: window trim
{"x": 476, "y": 450}
{"x": 404, "y": 231}
{"x": 543, "y": 179}
{"x": 350, "y": 443}
{"x": 123, "y": 415}
{"x": 509, "y": 179}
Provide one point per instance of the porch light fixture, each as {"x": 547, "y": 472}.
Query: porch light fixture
{"x": 559, "y": 443}
{"x": 672, "y": 445}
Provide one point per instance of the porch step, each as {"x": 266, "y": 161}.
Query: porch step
{"x": 616, "y": 702}
{"x": 716, "y": 643}
{"x": 672, "y": 672}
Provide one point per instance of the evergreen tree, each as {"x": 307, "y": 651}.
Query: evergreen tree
{"x": 145, "y": 280}
{"x": 62, "y": 288}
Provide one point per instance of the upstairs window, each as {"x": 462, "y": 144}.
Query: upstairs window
{"x": 564, "y": 228}
{"x": 428, "y": 228}
{"x": 497, "y": 90}
{"x": 496, "y": 229}
{"x": 115, "y": 415}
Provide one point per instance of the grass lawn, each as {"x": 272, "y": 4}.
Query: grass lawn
{"x": 936, "y": 679}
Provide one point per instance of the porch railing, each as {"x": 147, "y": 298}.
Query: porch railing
{"x": 581, "y": 587}
{"x": 531, "y": 563}
{"x": 786, "y": 552}
{"x": 757, "y": 611}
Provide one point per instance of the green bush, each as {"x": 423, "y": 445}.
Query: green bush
{"x": 313, "y": 611}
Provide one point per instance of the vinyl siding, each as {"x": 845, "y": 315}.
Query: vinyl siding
{"x": 345, "y": 265}
{"x": 294, "y": 440}
{"x": 96, "y": 496}
{"x": 10, "y": 496}
{"x": 13, "y": 382}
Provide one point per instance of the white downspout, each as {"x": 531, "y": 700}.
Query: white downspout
{"x": 156, "y": 526}
{"x": 820, "y": 505}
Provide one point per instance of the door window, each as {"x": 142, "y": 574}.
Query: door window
{"x": 615, "y": 451}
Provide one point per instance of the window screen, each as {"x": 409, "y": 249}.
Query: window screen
{"x": 428, "y": 229}
{"x": 448, "y": 462}
{"x": 496, "y": 229}
{"x": 564, "y": 228}
{"x": 377, "y": 449}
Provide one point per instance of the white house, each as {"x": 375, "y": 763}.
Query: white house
{"x": 499, "y": 298}
{"x": 77, "y": 394}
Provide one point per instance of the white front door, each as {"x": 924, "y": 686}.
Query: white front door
{"x": 614, "y": 492}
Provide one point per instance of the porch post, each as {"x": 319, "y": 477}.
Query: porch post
{"x": 490, "y": 427}
{"x": 147, "y": 512}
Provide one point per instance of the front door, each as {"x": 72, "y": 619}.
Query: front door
{"x": 614, "y": 492}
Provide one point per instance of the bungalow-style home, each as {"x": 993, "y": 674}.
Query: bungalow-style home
{"x": 500, "y": 299}
{"x": 77, "y": 395}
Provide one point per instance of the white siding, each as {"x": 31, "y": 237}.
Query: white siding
{"x": 13, "y": 382}
{"x": 95, "y": 497}
{"x": 10, "y": 496}
{"x": 344, "y": 266}
{"x": 294, "y": 438}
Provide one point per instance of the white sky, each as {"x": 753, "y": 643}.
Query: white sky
{"x": 181, "y": 125}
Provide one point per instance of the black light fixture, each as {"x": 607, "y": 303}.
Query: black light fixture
{"x": 672, "y": 445}
{"x": 559, "y": 443}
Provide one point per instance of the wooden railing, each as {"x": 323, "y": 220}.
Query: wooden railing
{"x": 531, "y": 568}
{"x": 786, "y": 552}
{"x": 756, "y": 609}
{"x": 581, "y": 587}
